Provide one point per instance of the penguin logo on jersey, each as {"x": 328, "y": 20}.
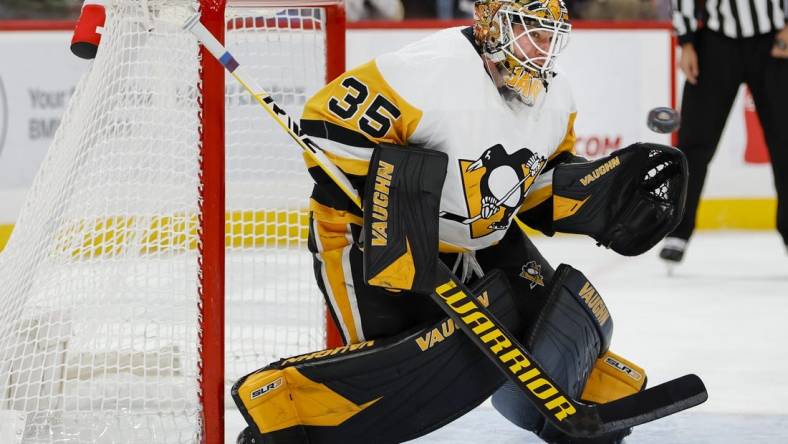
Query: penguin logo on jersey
{"x": 532, "y": 272}
{"x": 495, "y": 186}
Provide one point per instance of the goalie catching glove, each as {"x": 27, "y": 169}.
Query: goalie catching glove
{"x": 627, "y": 201}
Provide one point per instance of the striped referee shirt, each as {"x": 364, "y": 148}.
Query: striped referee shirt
{"x": 733, "y": 18}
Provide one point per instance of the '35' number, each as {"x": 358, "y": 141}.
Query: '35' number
{"x": 377, "y": 118}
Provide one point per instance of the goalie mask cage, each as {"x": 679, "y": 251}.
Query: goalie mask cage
{"x": 161, "y": 253}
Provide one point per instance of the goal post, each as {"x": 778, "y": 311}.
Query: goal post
{"x": 212, "y": 339}
{"x": 161, "y": 253}
{"x": 216, "y": 22}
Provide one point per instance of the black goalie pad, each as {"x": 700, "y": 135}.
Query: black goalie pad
{"x": 382, "y": 391}
{"x": 401, "y": 204}
{"x": 627, "y": 201}
{"x": 572, "y": 330}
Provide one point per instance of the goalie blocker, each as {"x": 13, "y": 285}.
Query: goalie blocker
{"x": 401, "y": 203}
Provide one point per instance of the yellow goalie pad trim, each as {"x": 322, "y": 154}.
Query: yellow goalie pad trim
{"x": 399, "y": 274}
{"x": 564, "y": 206}
{"x": 280, "y": 399}
{"x": 612, "y": 378}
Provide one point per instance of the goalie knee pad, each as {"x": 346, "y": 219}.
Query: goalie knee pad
{"x": 568, "y": 337}
{"x": 386, "y": 391}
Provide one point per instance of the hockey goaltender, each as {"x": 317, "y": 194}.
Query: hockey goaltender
{"x": 453, "y": 143}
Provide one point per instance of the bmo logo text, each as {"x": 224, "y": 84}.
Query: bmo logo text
{"x": 3, "y": 115}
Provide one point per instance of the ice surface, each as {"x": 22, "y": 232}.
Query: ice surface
{"x": 722, "y": 315}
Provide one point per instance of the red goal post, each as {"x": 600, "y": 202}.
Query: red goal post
{"x": 213, "y": 89}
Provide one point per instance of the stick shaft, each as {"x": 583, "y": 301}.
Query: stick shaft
{"x": 265, "y": 100}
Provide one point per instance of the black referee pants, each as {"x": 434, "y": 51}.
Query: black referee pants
{"x": 725, "y": 64}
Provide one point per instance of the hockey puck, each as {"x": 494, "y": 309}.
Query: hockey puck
{"x": 663, "y": 120}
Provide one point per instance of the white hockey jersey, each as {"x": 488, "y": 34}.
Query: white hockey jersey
{"x": 436, "y": 93}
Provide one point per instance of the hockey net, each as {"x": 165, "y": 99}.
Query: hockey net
{"x": 111, "y": 292}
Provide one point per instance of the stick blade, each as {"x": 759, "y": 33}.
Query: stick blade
{"x": 657, "y": 402}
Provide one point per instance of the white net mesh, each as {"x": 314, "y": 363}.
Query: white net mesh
{"x": 100, "y": 279}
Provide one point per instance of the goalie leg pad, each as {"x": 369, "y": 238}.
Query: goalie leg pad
{"x": 572, "y": 330}
{"x": 627, "y": 201}
{"x": 401, "y": 204}
{"x": 385, "y": 391}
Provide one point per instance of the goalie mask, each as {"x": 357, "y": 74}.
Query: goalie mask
{"x": 523, "y": 38}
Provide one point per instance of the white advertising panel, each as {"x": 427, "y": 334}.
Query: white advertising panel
{"x": 617, "y": 75}
{"x": 37, "y": 77}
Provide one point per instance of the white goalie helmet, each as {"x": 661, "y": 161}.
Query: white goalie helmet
{"x": 523, "y": 38}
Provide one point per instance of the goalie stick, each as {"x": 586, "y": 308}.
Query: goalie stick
{"x": 569, "y": 415}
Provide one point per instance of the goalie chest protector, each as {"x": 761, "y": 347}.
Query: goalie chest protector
{"x": 436, "y": 93}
